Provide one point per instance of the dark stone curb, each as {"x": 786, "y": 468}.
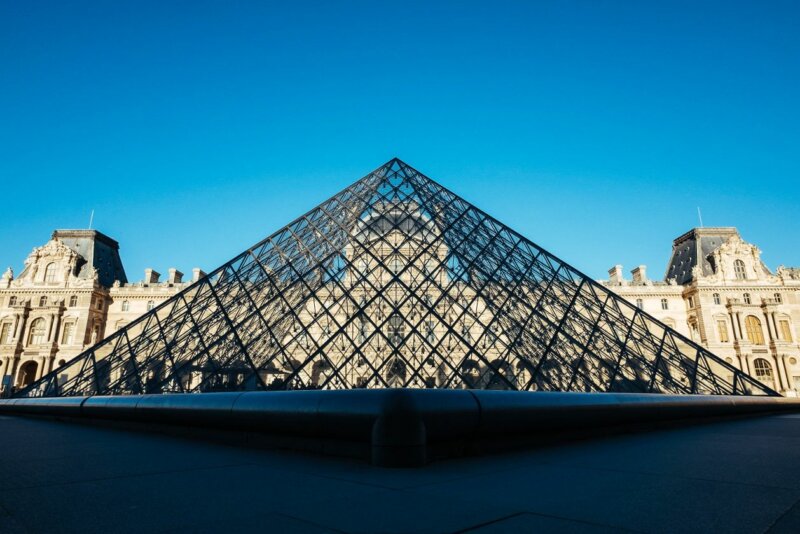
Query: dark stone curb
{"x": 402, "y": 427}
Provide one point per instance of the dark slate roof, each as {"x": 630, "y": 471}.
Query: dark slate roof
{"x": 98, "y": 250}
{"x": 695, "y": 246}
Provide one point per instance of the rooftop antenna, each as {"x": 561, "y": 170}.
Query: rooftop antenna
{"x": 91, "y": 218}
{"x": 700, "y": 216}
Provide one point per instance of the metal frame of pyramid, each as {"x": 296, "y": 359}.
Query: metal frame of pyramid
{"x": 395, "y": 282}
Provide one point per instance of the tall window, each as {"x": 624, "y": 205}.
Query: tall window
{"x": 763, "y": 371}
{"x": 395, "y": 329}
{"x": 786, "y": 330}
{"x": 747, "y": 299}
{"x": 362, "y": 331}
{"x": 5, "y": 333}
{"x": 778, "y": 298}
{"x": 717, "y": 300}
{"x": 664, "y": 304}
{"x": 42, "y": 301}
{"x": 396, "y": 264}
{"x": 12, "y": 301}
{"x": 125, "y": 305}
{"x": 50, "y": 273}
{"x": 722, "y": 330}
{"x": 691, "y": 302}
{"x": 69, "y": 334}
{"x": 738, "y": 268}
{"x": 73, "y": 301}
{"x": 754, "y": 332}
{"x": 639, "y": 304}
{"x": 150, "y": 305}
{"x": 430, "y": 332}
{"x": 37, "y": 332}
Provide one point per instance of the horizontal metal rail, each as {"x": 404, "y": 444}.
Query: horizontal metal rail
{"x": 401, "y": 426}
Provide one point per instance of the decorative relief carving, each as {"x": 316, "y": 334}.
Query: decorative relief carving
{"x": 54, "y": 251}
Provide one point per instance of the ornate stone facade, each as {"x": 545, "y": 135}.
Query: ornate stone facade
{"x": 71, "y": 293}
{"x": 719, "y": 293}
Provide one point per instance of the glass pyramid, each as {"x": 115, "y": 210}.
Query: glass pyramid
{"x": 395, "y": 282}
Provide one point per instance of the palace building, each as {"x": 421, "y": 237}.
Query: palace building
{"x": 71, "y": 293}
{"x": 393, "y": 282}
{"x": 719, "y": 293}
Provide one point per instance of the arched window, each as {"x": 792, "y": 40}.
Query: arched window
{"x": 126, "y": 305}
{"x": 763, "y": 371}
{"x": 717, "y": 300}
{"x": 73, "y": 301}
{"x": 37, "y": 332}
{"x": 150, "y": 305}
{"x": 42, "y": 301}
{"x": 68, "y": 337}
{"x": 747, "y": 299}
{"x": 738, "y": 268}
{"x": 50, "y": 273}
{"x": 754, "y": 332}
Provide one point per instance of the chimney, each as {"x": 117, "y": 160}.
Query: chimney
{"x": 640, "y": 275}
{"x": 175, "y": 276}
{"x": 197, "y": 274}
{"x": 151, "y": 276}
{"x": 615, "y": 275}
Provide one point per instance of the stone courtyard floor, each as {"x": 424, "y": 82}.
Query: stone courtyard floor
{"x": 733, "y": 476}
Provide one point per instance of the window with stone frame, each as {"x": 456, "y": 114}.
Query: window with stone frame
{"x": 664, "y": 304}
{"x": 5, "y": 333}
{"x": 717, "y": 300}
{"x": 778, "y": 298}
{"x": 42, "y": 301}
{"x": 12, "y": 301}
{"x": 68, "y": 335}
{"x": 786, "y": 329}
{"x": 739, "y": 270}
{"x": 50, "y": 273}
{"x": 763, "y": 371}
{"x": 125, "y": 305}
{"x": 747, "y": 299}
{"x": 73, "y": 301}
{"x": 722, "y": 330}
{"x": 754, "y": 332}
{"x": 37, "y": 332}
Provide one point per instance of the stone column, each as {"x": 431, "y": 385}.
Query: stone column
{"x": 775, "y": 327}
{"x": 781, "y": 374}
{"x": 17, "y": 328}
{"x": 40, "y": 367}
{"x": 733, "y": 327}
{"x": 739, "y": 325}
{"x": 12, "y": 364}
{"x": 769, "y": 328}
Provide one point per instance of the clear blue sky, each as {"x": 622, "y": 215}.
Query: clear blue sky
{"x": 594, "y": 128}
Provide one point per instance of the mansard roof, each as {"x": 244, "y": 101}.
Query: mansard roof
{"x": 98, "y": 251}
{"x": 696, "y": 247}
